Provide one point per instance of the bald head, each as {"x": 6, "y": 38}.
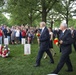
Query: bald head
{"x": 63, "y": 26}
{"x": 42, "y": 24}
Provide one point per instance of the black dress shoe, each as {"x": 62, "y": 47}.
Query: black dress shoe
{"x": 52, "y": 62}
{"x": 52, "y": 74}
{"x": 69, "y": 70}
{"x": 36, "y": 65}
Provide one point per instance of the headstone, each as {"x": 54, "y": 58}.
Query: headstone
{"x": 6, "y": 42}
{"x": 27, "y": 49}
{"x": 23, "y": 41}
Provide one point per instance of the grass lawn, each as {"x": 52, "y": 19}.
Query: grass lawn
{"x": 18, "y": 64}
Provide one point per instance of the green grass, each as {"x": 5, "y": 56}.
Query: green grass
{"x": 18, "y": 64}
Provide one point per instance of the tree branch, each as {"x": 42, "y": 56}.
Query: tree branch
{"x": 36, "y": 16}
{"x": 50, "y": 7}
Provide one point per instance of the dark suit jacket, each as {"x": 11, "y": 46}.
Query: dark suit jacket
{"x": 74, "y": 33}
{"x": 44, "y": 40}
{"x": 67, "y": 41}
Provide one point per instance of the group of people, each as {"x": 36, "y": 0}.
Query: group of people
{"x": 16, "y": 33}
{"x": 66, "y": 36}
{"x": 45, "y": 36}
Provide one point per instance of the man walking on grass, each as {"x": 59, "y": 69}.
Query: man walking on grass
{"x": 65, "y": 41}
{"x": 44, "y": 44}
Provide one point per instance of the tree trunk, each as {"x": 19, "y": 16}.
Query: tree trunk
{"x": 44, "y": 15}
{"x": 31, "y": 17}
{"x": 51, "y": 25}
{"x": 67, "y": 14}
{"x": 67, "y": 19}
{"x": 30, "y": 20}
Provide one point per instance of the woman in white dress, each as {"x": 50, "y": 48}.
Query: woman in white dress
{"x": 17, "y": 35}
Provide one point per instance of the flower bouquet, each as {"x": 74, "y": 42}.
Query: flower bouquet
{"x": 4, "y": 51}
{"x": 56, "y": 41}
{"x": 1, "y": 48}
{"x": 38, "y": 34}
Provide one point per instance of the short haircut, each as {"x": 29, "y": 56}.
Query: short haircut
{"x": 43, "y": 23}
{"x": 64, "y": 25}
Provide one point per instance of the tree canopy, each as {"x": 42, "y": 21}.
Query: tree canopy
{"x": 3, "y": 19}
{"x": 33, "y": 11}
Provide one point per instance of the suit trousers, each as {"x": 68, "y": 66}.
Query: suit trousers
{"x": 40, "y": 54}
{"x": 74, "y": 45}
{"x": 65, "y": 59}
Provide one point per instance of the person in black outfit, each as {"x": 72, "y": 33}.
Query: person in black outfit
{"x": 51, "y": 43}
{"x": 73, "y": 33}
{"x": 65, "y": 41}
{"x": 74, "y": 43}
{"x": 5, "y": 32}
{"x": 44, "y": 44}
{"x": 9, "y": 35}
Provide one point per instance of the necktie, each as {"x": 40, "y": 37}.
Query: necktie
{"x": 41, "y": 31}
{"x": 61, "y": 34}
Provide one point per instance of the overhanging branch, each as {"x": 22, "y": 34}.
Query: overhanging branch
{"x": 50, "y": 7}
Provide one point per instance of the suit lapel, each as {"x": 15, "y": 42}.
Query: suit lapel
{"x": 43, "y": 31}
{"x": 62, "y": 35}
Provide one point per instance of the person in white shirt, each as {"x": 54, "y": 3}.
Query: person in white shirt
{"x": 17, "y": 35}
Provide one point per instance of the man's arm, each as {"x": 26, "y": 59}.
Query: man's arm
{"x": 68, "y": 40}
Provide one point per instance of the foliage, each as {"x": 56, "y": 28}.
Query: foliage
{"x": 72, "y": 23}
{"x": 33, "y": 11}
{"x": 3, "y": 20}
{"x": 65, "y": 9}
{"x": 22, "y": 11}
{"x": 2, "y": 2}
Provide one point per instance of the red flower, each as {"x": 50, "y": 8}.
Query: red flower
{"x": 56, "y": 41}
{"x": 38, "y": 34}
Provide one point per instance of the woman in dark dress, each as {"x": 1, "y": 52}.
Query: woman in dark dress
{"x": 51, "y": 43}
{"x": 9, "y": 35}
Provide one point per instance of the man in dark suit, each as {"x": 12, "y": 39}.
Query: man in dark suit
{"x": 73, "y": 32}
{"x": 74, "y": 40}
{"x": 44, "y": 44}
{"x": 65, "y": 41}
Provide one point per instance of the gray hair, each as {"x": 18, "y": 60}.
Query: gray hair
{"x": 43, "y": 23}
{"x": 64, "y": 25}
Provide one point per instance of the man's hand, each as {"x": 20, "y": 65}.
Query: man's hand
{"x": 60, "y": 41}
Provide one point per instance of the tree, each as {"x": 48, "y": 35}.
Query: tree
{"x": 45, "y": 6}
{"x": 3, "y": 19}
{"x": 27, "y": 11}
{"x": 22, "y": 11}
{"x": 64, "y": 7}
{"x": 2, "y": 2}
